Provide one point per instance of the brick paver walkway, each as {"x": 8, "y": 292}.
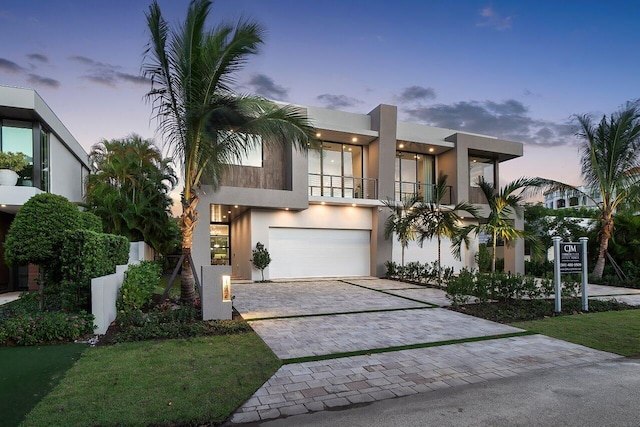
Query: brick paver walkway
{"x": 340, "y": 381}
{"x": 314, "y": 386}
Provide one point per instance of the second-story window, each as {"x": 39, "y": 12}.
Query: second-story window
{"x": 481, "y": 167}
{"x": 17, "y": 137}
{"x": 414, "y": 174}
{"x": 336, "y": 170}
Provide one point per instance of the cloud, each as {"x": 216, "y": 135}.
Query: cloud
{"x": 416, "y": 93}
{"x": 264, "y": 85}
{"x": 43, "y": 81}
{"x": 107, "y": 74}
{"x": 509, "y": 120}
{"x": 10, "y": 66}
{"x": 39, "y": 57}
{"x": 334, "y": 102}
{"x": 492, "y": 19}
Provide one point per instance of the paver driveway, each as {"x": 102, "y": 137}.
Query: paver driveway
{"x": 371, "y": 339}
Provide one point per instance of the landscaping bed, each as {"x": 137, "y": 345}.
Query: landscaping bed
{"x": 524, "y": 310}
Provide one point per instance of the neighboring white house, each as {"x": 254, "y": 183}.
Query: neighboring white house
{"x": 57, "y": 164}
{"x": 321, "y": 213}
{"x": 560, "y": 199}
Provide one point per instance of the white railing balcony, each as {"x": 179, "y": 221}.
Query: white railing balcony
{"x": 343, "y": 186}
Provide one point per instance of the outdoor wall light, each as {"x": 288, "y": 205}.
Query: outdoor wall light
{"x": 226, "y": 288}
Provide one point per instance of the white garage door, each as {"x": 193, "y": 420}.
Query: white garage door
{"x": 314, "y": 252}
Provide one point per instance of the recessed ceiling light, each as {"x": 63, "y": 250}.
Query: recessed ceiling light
{"x": 286, "y": 209}
{"x": 318, "y": 135}
{"x": 236, "y": 206}
{"x": 3, "y": 205}
{"x": 354, "y": 139}
{"x": 228, "y": 211}
{"x": 349, "y": 149}
{"x": 400, "y": 145}
{"x": 353, "y": 204}
{"x": 322, "y": 203}
{"x": 224, "y": 216}
{"x": 431, "y": 150}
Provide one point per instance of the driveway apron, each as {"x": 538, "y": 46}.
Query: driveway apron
{"x": 358, "y": 340}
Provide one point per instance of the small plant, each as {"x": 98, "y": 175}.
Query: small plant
{"x": 13, "y": 161}
{"x": 261, "y": 258}
{"x": 137, "y": 289}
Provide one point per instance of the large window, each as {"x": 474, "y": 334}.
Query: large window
{"x": 336, "y": 170}
{"x": 414, "y": 174}
{"x": 219, "y": 237}
{"x": 17, "y": 137}
{"x": 481, "y": 167}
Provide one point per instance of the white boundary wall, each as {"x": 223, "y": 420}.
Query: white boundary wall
{"x": 104, "y": 290}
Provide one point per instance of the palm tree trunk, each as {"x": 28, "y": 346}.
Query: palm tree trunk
{"x": 188, "y": 222}
{"x": 605, "y": 235}
{"x": 493, "y": 259}
{"x": 439, "y": 269}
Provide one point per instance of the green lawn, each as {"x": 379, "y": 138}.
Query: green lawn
{"x": 614, "y": 331}
{"x": 27, "y": 374}
{"x": 137, "y": 384}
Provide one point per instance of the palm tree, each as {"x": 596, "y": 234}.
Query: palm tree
{"x": 399, "y": 221}
{"x": 503, "y": 205}
{"x": 128, "y": 188}
{"x": 610, "y": 163}
{"x": 434, "y": 219}
{"x": 202, "y": 121}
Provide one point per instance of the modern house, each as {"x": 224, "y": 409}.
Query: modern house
{"x": 57, "y": 164}
{"x": 321, "y": 213}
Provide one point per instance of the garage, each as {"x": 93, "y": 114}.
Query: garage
{"x": 316, "y": 252}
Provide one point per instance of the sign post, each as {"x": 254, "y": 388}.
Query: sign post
{"x": 570, "y": 257}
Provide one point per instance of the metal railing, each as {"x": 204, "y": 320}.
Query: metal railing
{"x": 343, "y": 186}
{"x": 405, "y": 190}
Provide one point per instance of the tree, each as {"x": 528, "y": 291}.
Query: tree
{"x": 610, "y": 162}
{"x": 202, "y": 121}
{"x": 503, "y": 205}
{"x": 129, "y": 189}
{"x": 435, "y": 219}
{"x": 261, "y": 258}
{"x": 37, "y": 232}
{"x": 399, "y": 223}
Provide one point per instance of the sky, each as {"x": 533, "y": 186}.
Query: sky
{"x": 517, "y": 70}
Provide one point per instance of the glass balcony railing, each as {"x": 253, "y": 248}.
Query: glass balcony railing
{"x": 404, "y": 190}
{"x": 343, "y": 186}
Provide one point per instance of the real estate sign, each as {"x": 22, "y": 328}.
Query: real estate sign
{"x": 570, "y": 257}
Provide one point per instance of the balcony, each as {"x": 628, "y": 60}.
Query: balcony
{"x": 405, "y": 190}
{"x": 343, "y": 186}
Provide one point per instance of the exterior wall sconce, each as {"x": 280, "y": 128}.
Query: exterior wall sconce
{"x": 226, "y": 288}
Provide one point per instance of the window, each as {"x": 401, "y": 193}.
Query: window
{"x": 560, "y": 203}
{"x": 336, "y": 170}
{"x": 219, "y": 237}
{"x": 253, "y": 156}
{"x": 17, "y": 137}
{"x": 573, "y": 201}
{"x": 481, "y": 167}
{"x": 414, "y": 174}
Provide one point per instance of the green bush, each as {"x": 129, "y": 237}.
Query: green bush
{"x": 90, "y": 221}
{"x": 417, "y": 272}
{"x": 261, "y": 258}
{"x": 85, "y": 255}
{"x": 45, "y": 327}
{"x": 500, "y": 287}
{"x": 483, "y": 258}
{"x": 138, "y": 286}
{"x": 542, "y": 268}
{"x": 166, "y": 322}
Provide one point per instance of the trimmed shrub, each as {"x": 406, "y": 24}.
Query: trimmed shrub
{"x": 90, "y": 221}
{"x": 417, "y": 272}
{"x": 483, "y": 258}
{"x": 261, "y": 258}
{"x": 43, "y": 328}
{"x": 138, "y": 286}
{"x": 85, "y": 255}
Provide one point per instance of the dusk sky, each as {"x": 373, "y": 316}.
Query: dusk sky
{"x": 518, "y": 70}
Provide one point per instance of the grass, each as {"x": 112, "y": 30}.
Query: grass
{"x": 182, "y": 381}
{"x": 27, "y": 374}
{"x": 614, "y": 331}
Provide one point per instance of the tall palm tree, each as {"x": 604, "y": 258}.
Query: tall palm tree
{"x": 399, "y": 221}
{"x": 503, "y": 205}
{"x": 435, "y": 219}
{"x": 610, "y": 163}
{"x": 205, "y": 124}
